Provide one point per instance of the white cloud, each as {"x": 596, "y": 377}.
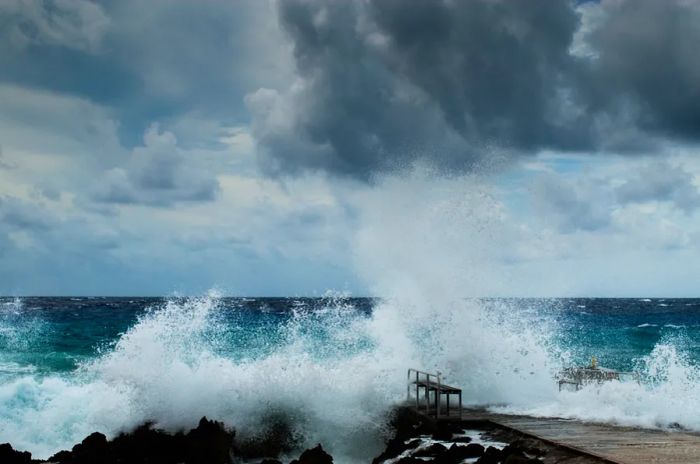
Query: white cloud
{"x": 659, "y": 181}
{"x": 580, "y": 205}
{"x": 157, "y": 173}
{"x": 40, "y": 121}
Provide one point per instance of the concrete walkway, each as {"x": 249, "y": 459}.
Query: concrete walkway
{"x": 624, "y": 445}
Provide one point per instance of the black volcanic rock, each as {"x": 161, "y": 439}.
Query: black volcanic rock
{"x": 8, "y": 455}
{"x": 513, "y": 450}
{"x": 433, "y": 450}
{"x": 314, "y": 456}
{"x": 442, "y": 433}
{"x": 472, "y": 450}
{"x": 93, "y": 449}
{"x": 517, "y": 459}
{"x": 461, "y": 439}
{"x": 146, "y": 445}
{"x": 410, "y": 460}
{"x": 395, "y": 447}
{"x": 492, "y": 455}
{"x": 458, "y": 453}
{"x": 208, "y": 443}
{"x": 276, "y": 437}
{"x": 407, "y": 424}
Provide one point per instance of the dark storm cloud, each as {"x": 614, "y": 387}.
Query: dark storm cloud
{"x": 645, "y": 61}
{"x": 382, "y": 83}
{"x": 387, "y": 82}
{"x": 494, "y": 68}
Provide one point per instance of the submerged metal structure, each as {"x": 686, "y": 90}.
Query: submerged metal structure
{"x": 580, "y": 376}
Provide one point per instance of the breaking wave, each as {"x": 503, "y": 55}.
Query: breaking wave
{"x": 332, "y": 372}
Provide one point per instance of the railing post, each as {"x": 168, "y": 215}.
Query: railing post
{"x": 427, "y": 393}
{"x": 429, "y": 385}
{"x": 417, "y": 390}
{"x": 437, "y": 396}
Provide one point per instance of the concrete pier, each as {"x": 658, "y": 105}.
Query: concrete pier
{"x": 609, "y": 443}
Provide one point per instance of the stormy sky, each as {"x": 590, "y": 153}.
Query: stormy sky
{"x": 294, "y": 147}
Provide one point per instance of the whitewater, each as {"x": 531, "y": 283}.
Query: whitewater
{"x": 331, "y": 368}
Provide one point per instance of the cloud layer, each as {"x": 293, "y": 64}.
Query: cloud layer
{"x": 382, "y": 83}
{"x": 147, "y": 147}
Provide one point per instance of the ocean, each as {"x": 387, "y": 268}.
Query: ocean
{"x": 331, "y": 367}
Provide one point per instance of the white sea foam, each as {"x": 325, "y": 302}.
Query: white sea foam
{"x": 667, "y": 396}
{"x": 18, "y": 326}
{"x": 166, "y": 369}
{"x": 423, "y": 250}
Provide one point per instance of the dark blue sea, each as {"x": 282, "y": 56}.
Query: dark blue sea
{"x": 333, "y": 366}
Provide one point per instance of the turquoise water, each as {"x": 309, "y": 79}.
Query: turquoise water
{"x": 56, "y": 335}
{"x": 333, "y": 366}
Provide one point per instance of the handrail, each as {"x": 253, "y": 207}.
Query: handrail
{"x": 427, "y": 375}
{"x": 579, "y": 376}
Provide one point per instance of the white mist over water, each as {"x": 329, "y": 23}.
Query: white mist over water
{"x": 668, "y": 395}
{"x": 428, "y": 246}
{"x": 424, "y": 247}
{"x": 166, "y": 369}
{"x": 437, "y": 241}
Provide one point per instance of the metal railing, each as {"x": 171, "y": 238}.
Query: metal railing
{"x": 580, "y": 376}
{"x": 428, "y": 381}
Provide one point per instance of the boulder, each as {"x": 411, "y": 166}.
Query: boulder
{"x": 146, "y": 444}
{"x": 436, "y": 449}
{"x": 407, "y": 424}
{"x": 275, "y": 437}
{"x": 492, "y": 455}
{"x": 461, "y": 439}
{"x": 458, "y": 453}
{"x": 410, "y": 460}
{"x": 516, "y": 459}
{"x": 444, "y": 432}
{"x": 395, "y": 447}
{"x": 8, "y": 455}
{"x": 209, "y": 443}
{"x": 94, "y": 448}
{"x": 472, "y": 450}
{"x": 514, "y": 449}
{"x": 315, "y": 456}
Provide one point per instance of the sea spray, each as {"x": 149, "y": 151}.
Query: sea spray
{"x": 665, "y": 397}
{"x": 330, "y": 370}
{"x": 429, "y": 247}
{"x": 168, "y": 368}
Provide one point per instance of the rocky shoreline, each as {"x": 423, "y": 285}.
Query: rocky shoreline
{"x": 416, "y": 440}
